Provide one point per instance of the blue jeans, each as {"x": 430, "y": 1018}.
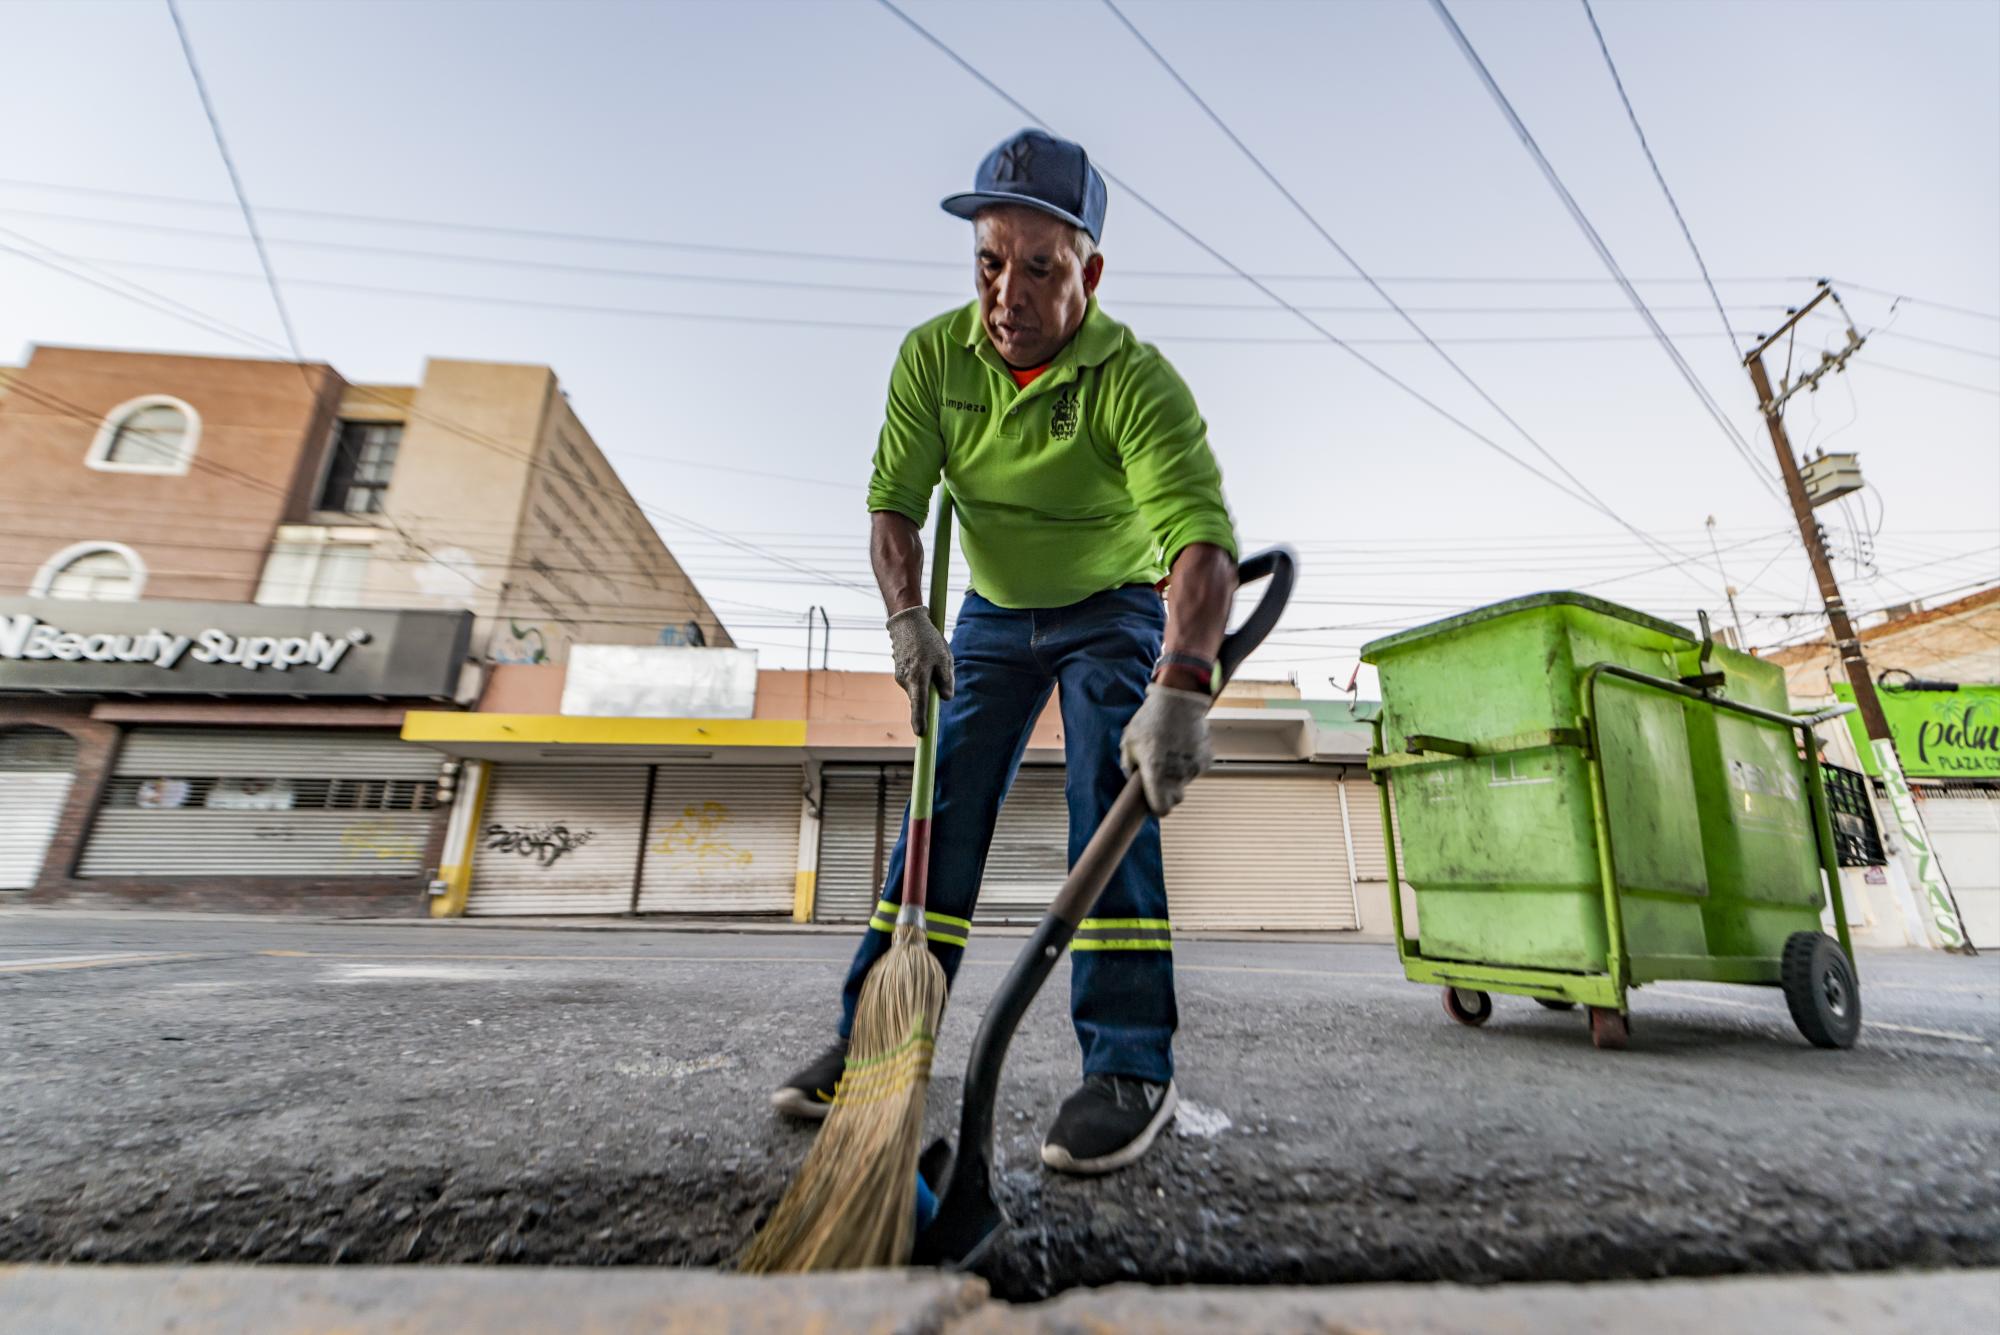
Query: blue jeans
{"x": 1101, "y": 653}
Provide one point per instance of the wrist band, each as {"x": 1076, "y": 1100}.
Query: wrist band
{"x": 1207, "y": 667}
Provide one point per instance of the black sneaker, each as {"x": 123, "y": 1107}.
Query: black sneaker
{"x": 810, "y": 1093}
{"x": 1107, "y": 1124}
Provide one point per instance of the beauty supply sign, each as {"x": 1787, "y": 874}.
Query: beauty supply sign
{"x": 179, "y": 648}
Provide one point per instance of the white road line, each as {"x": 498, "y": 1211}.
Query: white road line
{"x": 1921, "y": 1032}
{"x": 765, "y": 959}
{"x": 393, "y": 956}
{"x": 1936, "y": 987}
{"x": 51, "y": 963}
{"x": 1951, "y": 1034}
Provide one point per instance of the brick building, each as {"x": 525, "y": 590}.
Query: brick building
{"x": 223, "y": 582}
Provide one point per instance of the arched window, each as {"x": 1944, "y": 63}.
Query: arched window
{"x": 108, "y": 572}
{"x": 153, "y": 434}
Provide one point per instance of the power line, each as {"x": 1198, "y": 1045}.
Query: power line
{"x": 1604, "y": 254}
{"x": 1908, "y": 337}
{"x": 1660, "y": 176}
{"x": 807, "y": 322}
{"x": 776, "y": 284}
{"x": 1885, "y": 331}
{"x": 235, "y": 181}
{"x": 180, "y": 310}
{"x": 1216, "y": 255}
{"x": 1875, "y": 363}
{"x": 63, "y": 406}
{"x": 1914, "y": 301}
{"x": 765, "y": 252}
{"x": 158, "y": 302}
{"x": 1348, "y": 259}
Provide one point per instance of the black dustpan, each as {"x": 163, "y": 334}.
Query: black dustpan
{"x": 968, "y": 1218}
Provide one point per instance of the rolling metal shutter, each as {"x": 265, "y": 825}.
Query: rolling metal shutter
{"x": 1029, "y": 857}
{"x": 1258, "y": 852}
{"x": 558, "y": 839}
{"x": 35, "y": 770}
{"x": 722, "y": 839}
{"x": 1364, "y": 812}
{"x": 212, "y": 802}
{"x": 1965, "y": 834}
{"x": 862, "y": 812}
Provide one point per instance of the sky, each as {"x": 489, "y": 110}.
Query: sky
{"x": 740, "y": 394}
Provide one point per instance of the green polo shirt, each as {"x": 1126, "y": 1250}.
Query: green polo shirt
{"x": 1094, "y": 476}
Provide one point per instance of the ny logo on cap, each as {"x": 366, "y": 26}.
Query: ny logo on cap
{"x": 1017, "y": 163}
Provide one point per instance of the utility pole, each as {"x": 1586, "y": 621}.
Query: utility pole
{"x": 1941, "y": 909}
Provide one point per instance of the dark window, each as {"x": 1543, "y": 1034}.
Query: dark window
{"x": 364, "y": 455}
{"x": 1855, "y": 836}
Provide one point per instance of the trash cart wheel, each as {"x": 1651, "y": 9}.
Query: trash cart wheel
{"x": 1821, "y": 990}
{"x": 1468, "y": 1007}
{"x": 1608, "y": 1029}
{"x": 1555, "y": 1003}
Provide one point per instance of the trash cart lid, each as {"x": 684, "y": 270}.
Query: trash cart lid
{"x": 1534, "y": 600}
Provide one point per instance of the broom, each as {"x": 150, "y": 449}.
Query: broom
{"x": 852, "y": 1206}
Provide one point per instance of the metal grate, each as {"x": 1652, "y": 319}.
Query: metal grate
{"x": 286, "y": 793}
{"x": 1855, "y": 836}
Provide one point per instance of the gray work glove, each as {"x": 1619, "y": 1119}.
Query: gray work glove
{"x": 922, "y": 657}
{"x": 1166, "y": 744}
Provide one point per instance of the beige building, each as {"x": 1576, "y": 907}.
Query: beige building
{"x": 223, "y": 582}
{"x": 502, "y": 503}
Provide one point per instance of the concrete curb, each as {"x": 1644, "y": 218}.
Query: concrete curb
{"x": 448, "y": 1300}
{"x": 416, "y": 1300}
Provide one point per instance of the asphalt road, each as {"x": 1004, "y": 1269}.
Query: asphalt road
{"x": 206, "y": 1089}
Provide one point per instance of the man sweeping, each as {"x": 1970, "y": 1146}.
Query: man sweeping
{"x": 1082, "y": 477}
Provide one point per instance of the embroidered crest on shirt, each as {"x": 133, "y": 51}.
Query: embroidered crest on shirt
{"x": 1063, "y": 416}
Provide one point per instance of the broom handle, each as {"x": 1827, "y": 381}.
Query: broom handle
{"x": 923, "y": 784}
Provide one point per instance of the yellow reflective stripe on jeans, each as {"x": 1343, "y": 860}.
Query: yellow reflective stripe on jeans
{"x": 886, "y": 909}
{"x": 1096, "y": 943}
{"x": 1141, "y": 924}
{"x": 935, "y": 933}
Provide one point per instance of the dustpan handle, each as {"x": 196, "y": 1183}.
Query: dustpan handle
{"x": 1128, "y": 813}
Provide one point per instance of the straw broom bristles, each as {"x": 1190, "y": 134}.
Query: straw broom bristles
{"x": 853, "y": 1204}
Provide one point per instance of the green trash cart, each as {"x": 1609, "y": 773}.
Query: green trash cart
{"x": 1591, "y": 799}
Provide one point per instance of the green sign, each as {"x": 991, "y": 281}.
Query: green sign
{"x": 1939, "y": 734}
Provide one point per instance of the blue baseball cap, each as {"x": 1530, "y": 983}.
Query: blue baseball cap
{"x": 1038, "y": 171}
